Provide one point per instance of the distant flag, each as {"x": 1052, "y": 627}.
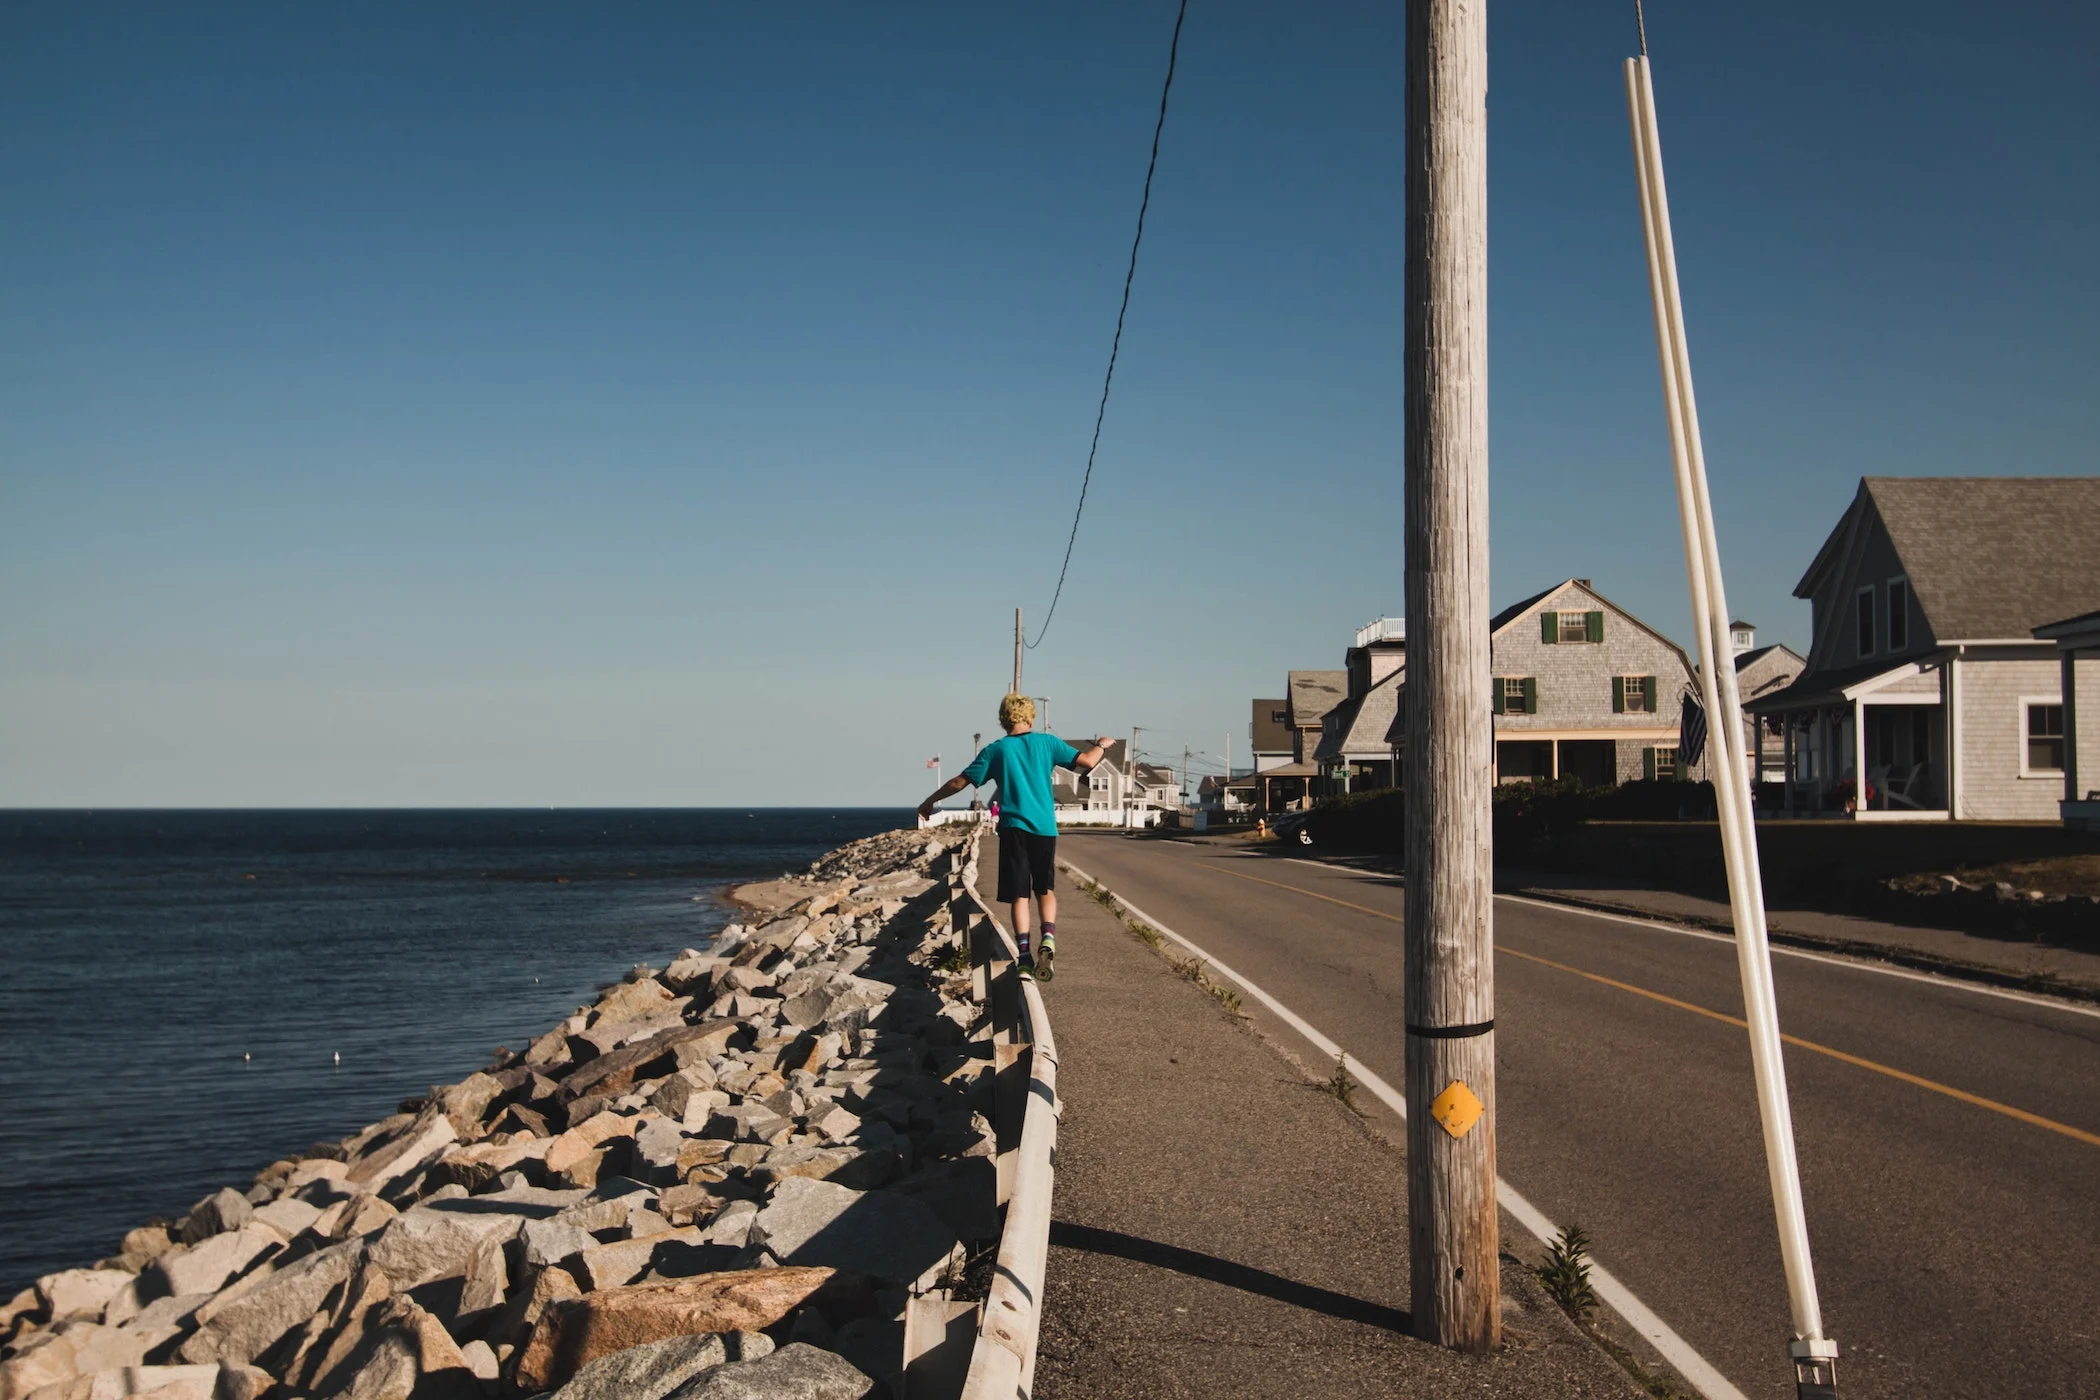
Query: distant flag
{"x": 934, "y": 762}
{"x": 1691, "y": 733}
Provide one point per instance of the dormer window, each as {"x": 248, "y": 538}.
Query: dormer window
{"x": 1899, "y": 614}
{"x": 1562, "y": 627}
{"x": 1866, "y": 621}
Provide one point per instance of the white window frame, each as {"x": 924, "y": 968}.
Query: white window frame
{"x": 1676, "y": 767}
{"x": 1506, "y": 682}
{"x": 1631, "y": 687}
{"x": 1888, "y": 610}
{"x": 1860, "y": 640}
{"x": 1582, "y": 625}
{"x": 2054, "y": 775}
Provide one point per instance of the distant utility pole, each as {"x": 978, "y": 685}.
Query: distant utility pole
{"x": 1450, "y": 996}
{"x": 1017, "y": 653}
{"x": 1130, "y": 779}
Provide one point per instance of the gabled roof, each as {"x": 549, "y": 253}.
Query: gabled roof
{"x": 1988, "y": 557}
{"x": 1314, "y": 693}
{"x": 1515, "y": 611}
{"x": 1361, "y": 725}
{"x": 1826, "y": 687}
{"x": 1747, "y": 659}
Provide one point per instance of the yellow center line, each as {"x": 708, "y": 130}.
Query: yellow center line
{"x": 1876, "y": 1066}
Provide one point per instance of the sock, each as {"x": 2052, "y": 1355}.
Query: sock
{"x": 1049, "y": 931}
{"x": 1021, "y": 939}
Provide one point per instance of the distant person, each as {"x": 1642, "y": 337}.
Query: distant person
{"x": 1020, "y": 764}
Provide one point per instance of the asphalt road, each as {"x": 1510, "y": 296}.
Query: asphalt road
{"x": 1957, "y": 1245}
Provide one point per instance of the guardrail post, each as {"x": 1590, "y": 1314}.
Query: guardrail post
{"x": 1011, "y": 1067}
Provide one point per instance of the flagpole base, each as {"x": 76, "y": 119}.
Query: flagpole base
{"x": 1815, "y": 1368}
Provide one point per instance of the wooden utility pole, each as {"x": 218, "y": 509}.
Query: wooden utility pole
{"x": 1456, "y": 1289}
{"x": 1017, "y": 653}
{"x": 1130, "y": 776}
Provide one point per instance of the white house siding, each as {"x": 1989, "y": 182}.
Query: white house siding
{"x": 1993, "y": 739}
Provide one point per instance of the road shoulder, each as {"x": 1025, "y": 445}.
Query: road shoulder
{"x": 1223, "y": 1226}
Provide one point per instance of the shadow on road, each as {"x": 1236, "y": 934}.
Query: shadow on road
{"x": 1089, "y": 1240}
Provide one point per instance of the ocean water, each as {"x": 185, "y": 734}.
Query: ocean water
{"x": 175, "y": 986}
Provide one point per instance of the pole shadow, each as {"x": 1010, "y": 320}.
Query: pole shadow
{"x": 1248, "y": 1279}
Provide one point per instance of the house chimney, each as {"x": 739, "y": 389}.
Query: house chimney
{"x": 1583, "y": 581}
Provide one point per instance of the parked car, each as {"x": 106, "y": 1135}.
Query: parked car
{"x": 1291, "y": 826}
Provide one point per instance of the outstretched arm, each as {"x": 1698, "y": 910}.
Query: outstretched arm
{"x": 1089, "y": 757}
{"x": 948, "y": 789}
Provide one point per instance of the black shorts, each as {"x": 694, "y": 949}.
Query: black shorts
{"x": 1027, "y": 864}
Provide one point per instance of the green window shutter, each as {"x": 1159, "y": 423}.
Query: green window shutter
{"x": 1618, "y": 695}
{"x": 1648, "y": 764}
{"x": 1496, "y": 684}
{"x": 1531, "y": 695}
{"x": 1549, "y": 627}
{"x": 1648, "y": 692}
{"x": 1593, "y": 623}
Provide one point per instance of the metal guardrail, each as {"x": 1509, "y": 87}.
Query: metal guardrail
{"x": 1024, "y": 1058}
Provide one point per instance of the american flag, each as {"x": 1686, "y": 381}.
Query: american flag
{"x": 1691, "y": 732}
{"x": 934, "y": 762}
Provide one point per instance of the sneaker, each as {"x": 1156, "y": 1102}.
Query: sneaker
{"x": 1045, "y": 959}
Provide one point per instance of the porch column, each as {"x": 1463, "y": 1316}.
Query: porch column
{"x": 1859, "y": 757}
{"x": 2070, "y": 665}
{"x": 1950, "y": 700}
{"x": 1757, "y": 774}
{"x": 1556, "y": 747}
{"x": 1786, "y": 740}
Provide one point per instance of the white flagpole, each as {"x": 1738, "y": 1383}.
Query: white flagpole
{"x": 1814, "y": 1354}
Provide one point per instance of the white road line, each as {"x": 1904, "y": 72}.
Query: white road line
{"x": 1675, "y": 1349}
{"x": 1856, "y": 964}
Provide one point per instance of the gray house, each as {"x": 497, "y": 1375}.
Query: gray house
{"x": 1926, "y": 673}
{"x": 1353, "y": 751}
{"x": 1583, "y": 689}
{"x": 1761, "y": 671}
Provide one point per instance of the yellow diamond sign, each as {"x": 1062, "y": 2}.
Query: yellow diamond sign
{"x": 1457, "y": 1108}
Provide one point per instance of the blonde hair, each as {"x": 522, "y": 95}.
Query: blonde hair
{"x": 1015, "y": 711}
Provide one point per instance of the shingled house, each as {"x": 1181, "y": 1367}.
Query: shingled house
{"x": 1761, "y": 671}
{"x": 1583, "y": 689}
{"x": 1925, "y": 672}
{"x": 1353, "y": 752}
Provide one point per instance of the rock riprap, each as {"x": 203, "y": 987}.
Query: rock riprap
{"x": 724, "y": 1179}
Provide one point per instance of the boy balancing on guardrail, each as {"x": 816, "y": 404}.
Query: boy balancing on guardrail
{"x": 1020, "y": 764}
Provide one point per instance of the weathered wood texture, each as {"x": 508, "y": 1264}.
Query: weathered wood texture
{"x": 1456, "y": 1285}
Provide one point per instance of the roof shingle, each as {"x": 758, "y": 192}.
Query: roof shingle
{"x": 1993, "y": 557}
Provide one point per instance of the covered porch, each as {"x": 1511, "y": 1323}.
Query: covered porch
{"x": 1892, "y": 726}
{"x": 1284, "y": 789}
{"x": 2081, "y": 802}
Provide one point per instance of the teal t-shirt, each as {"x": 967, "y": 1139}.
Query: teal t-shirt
{"x": 1020, "y": 764}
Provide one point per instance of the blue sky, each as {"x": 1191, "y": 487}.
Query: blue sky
{"x": 534, "y": 404}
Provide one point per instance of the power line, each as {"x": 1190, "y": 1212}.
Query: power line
{"x": 1101, "y": 413}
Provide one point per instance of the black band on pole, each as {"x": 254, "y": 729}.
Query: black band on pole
{"x": 1451, "y": 1032}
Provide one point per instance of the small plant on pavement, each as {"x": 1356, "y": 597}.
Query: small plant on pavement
{"x": 1566, "y": 1273}
{"x": 1342, "y": 1086}
{"x": 957, "y": 961}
